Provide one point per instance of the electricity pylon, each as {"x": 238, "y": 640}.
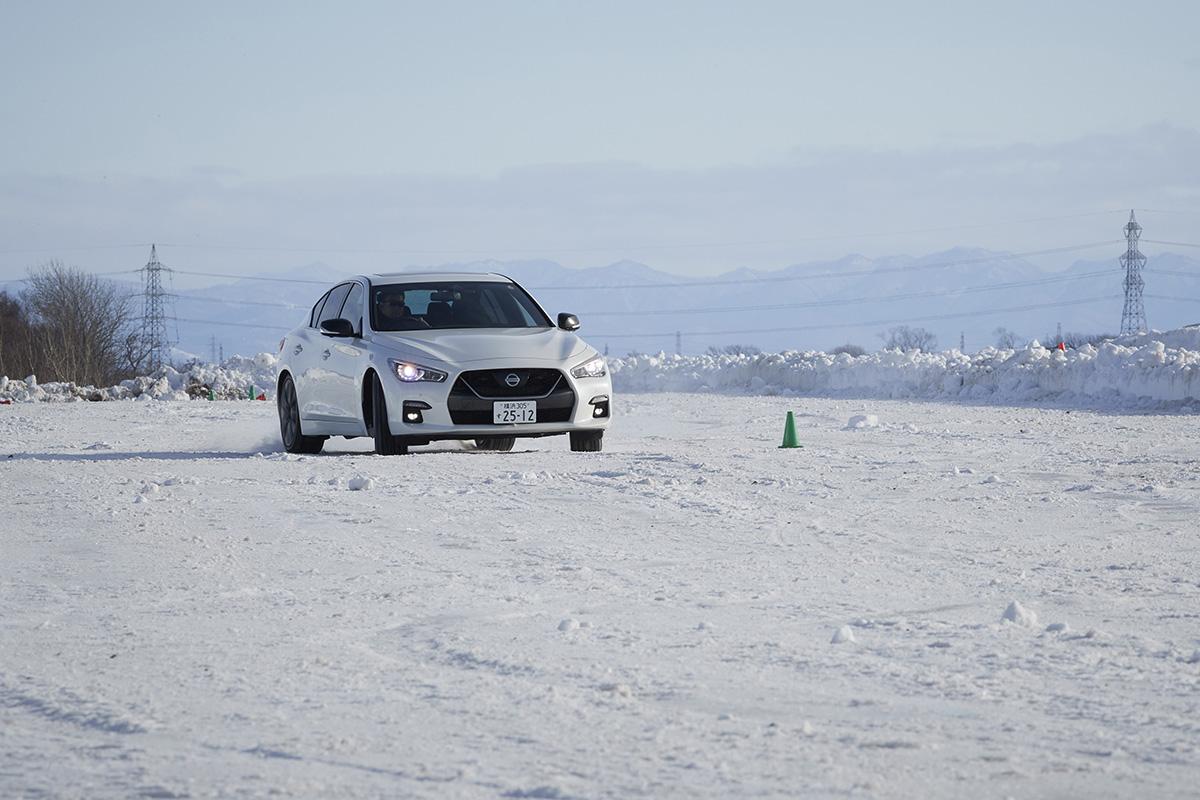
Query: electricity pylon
{"x": 1133, "y": 317}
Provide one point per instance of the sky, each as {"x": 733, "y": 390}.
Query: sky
{"x": 694, "y": 136}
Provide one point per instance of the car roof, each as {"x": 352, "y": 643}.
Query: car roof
{"x": 384, "y": 278}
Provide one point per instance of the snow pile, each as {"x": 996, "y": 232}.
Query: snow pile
{"x": 1018, "y": 614}
{"x": 1146, "y": 370}
{"x": 232, "y": 379}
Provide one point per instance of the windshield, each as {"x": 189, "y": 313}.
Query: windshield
{"x": 458, "y": 304}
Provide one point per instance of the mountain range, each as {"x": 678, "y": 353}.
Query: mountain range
{"x": 631, "y": 307}
{"x": 628, "y": 306}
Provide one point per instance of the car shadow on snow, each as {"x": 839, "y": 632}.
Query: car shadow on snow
{"x": 146, "y": 455}
{"x": 219, "y": 455}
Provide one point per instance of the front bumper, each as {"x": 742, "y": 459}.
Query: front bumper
{"x": 461, "y": 406}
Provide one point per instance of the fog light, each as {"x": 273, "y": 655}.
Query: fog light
{"x": 412, "y": 411}
{"x": 599, "y": 406}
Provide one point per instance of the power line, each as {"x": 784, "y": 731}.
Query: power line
{"x": 727, "y": 281}
{"x": 718, "y": 309}
{"x": 1195, "y": 213}
{"x": 93, "y": 274}
{"x": 827, "y": 326}
{"x": 857, "y": 300}
{"x": 1170, "y": 244}
{"x": 75, "y": 248}
{"x": 631, "y": 247}
{"x": 250, "y": 277}
{"x": 188, "y": 298}
{"x": 1173, "y": 299}
{"x": 874, "y": 323}
{"x": 235, "y": 324}
{"x": 839, "y": 274}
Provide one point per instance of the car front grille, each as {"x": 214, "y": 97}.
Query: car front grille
{"x": 472, "y": 395}
{"x": 498, "y": 383}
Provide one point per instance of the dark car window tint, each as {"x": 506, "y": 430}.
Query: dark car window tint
{"x": 453, "y": 304}
{"x": 352, "y": 308}
{"x": 333, "y": 306}
{"x": 316, "y": 311}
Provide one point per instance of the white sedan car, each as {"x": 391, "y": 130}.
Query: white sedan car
{"x": 411, "y": 358}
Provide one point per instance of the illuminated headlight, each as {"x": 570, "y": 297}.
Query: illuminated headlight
{"x": 412, "y": 373}
{"x": 595, "y": 368}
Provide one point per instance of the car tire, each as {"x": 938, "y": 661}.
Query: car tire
{"x": 294, "y": 440}
{"x": 385, "y": 443}
{"x": 587, "y": 441}
{"x": 498, "y": 444}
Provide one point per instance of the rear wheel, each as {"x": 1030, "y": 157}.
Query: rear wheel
{"x": 587, "y": 441}
{"x": 500, "y": 444}
{"x": 294, "y": 440}
{"x": 385, "y": 443}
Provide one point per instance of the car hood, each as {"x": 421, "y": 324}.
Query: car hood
{"x": 466, "y": 345}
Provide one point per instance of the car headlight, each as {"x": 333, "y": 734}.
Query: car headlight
{"x": 593, "y": 368}
{"x": 412, "y": 373}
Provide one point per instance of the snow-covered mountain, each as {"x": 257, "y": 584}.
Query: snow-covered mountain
{"x": 629, "y": 306}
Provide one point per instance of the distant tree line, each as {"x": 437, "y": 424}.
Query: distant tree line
{"x": 904, "y": 337}
{"x": 67, "y": 325}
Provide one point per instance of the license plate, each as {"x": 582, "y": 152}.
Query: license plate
{"x": 518, "y": 412}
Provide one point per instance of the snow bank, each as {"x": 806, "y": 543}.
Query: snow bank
{"x": 231, "y": 379}
{"x": 1143, "y": 371}
{"x": 1147, "y": 370}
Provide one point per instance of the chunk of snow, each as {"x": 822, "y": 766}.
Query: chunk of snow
{"x": 859, "y": 421}
{"x": 843, "y": 634}
{"x": 1018, "y": 614}
{"x": 568, "y": 625}
{"x": 1058, "y": 627}
{"x": 359, "y": 484}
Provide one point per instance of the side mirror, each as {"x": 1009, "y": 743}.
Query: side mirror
{"x": 341, "y": 328}
{"x": 568, "y": 322}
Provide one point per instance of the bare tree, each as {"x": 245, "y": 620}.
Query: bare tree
{"x": 1074, "y": 341}
{"x": 734, "y": 350}
{"x": 849, "y": 349}
{"x": 84, "y": 327}
{"x": 1006, "y": 339}
{"x": 17, "y": 353}
{"x": 902, "y": 337}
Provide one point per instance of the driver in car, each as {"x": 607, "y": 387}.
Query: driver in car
{"x": 394, "y": 314}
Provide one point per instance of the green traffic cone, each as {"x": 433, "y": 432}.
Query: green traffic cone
{"x": 789, "y": 432}
{"x": 211, "y": 394}
{"x": 251, "y": 393}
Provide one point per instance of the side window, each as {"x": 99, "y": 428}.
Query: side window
{"x": 316, "y": 312}
{"x": 352, "y": 308}
{"x": 333, "y": 306}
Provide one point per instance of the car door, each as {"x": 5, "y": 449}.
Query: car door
{"x": 300, "y": 347}
{"x": 320, "y": 382}
{"x": 344, "y": 359}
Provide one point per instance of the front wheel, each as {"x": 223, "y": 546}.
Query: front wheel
{"x": 385, "y": 443}
{"x": 294, "y": 440}
{"x": 499, "y": 444}
{"x": 587, "y": 441}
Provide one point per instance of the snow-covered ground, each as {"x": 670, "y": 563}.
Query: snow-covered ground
{"x": 940, "y": 600}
